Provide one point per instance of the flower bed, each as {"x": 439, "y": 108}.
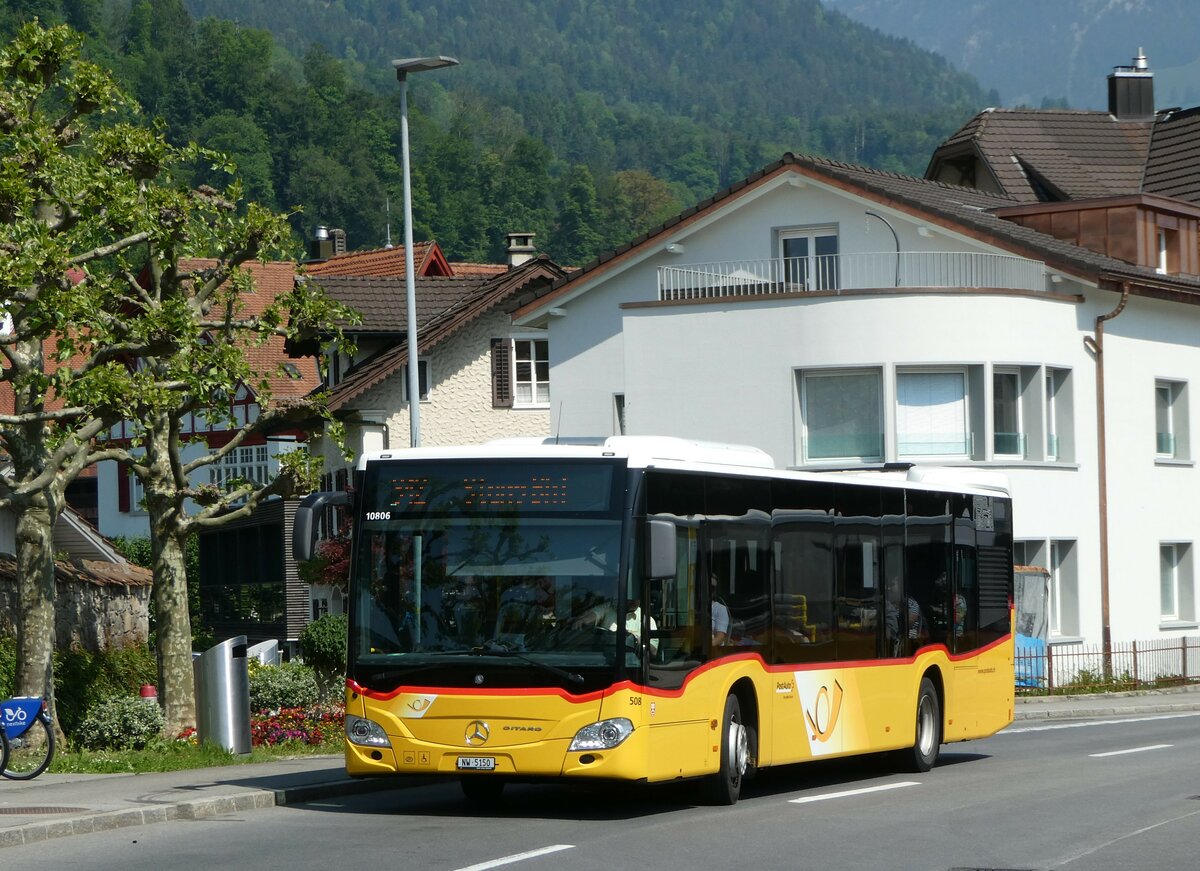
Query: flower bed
{"x": 321, "y": 724}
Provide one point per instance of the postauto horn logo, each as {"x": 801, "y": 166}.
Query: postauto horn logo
{"x": 823, "y": 715}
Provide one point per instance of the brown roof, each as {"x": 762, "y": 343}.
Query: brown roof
{"x": 1074, "y": 154}
{"x": 476, "y": 298}
{"x": 959, "y": 207}
{"x": 382, "y": 300}
{"x": 488, "y": 269}
{"x": 1173, "y": 169}
{"x": 427, "y": 260}
{"x": 271, "y": 281}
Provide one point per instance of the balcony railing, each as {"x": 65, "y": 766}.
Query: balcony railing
{"x": 837, "y": 272}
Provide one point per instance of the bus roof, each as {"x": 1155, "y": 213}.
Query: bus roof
{"x": 669, "y": 452}
{"x": 637, "y": 451}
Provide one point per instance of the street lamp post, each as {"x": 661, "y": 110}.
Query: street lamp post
{"x": 403, "y": 67}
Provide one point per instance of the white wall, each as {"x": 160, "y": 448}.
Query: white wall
{"x": 726, "y": 372}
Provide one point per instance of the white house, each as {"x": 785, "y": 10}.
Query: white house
{"x": 839, "y": 316}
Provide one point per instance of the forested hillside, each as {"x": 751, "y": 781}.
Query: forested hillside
{"x": 583, "y": 121}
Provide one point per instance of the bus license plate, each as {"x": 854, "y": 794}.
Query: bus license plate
{"x": 477, "y": 763}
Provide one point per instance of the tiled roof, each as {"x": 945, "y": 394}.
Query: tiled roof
{"x": 475, "y": 298}
{"x": 427, "y": 260}
{"x": 1173, "y": 169}
{"x": 964, "y": 209}
{"x": 382, "y": 300}
{"x": 1077, "y": 154}
{"x": 488, "y": 269}
{"x": 271, "y": 280}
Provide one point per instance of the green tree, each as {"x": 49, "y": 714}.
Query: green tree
{"x": 578, "y": 235}
{"x": 202, "y": 305}
{"x": 74, "y": 207}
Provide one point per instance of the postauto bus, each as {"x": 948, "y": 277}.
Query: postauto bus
{"x": 654, "y": 609}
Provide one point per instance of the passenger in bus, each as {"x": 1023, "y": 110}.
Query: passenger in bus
{"x": 913, "y": 628}
{"x": 720, "y": 614}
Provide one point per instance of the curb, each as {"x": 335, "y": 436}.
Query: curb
{"x": 193, "y": 809}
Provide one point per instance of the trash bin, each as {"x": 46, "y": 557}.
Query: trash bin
{"x": 266, "y": 652}
{"x": 223, "y": 695}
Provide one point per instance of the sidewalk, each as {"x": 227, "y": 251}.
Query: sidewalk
{"x": 57, "y": 805}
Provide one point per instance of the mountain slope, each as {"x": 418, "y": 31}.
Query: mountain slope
{"x": 1033, "y": 49}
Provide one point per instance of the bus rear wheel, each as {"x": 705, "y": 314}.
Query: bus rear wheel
{"x": 924, "y": 753}
{"x": 725, "y": 787}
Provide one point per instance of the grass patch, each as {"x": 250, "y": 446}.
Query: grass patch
{"x": 164, "y": 755}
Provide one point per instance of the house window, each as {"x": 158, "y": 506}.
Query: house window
{"x": 931, "y": 414}
{"x": 1064, "y": 589}
{"x": 422, "y": 380}
{"x": 531, "y": 372}
{"x": 1176, "y": 589}
{"x": 842, "y": 415}
{"x": 1008, "y": 437}
{"x": 249, "y": 463}
{"x": 810, "y": 258}
{"x": 520, "y": 373}
{"x": 137, "y": 494}
{"x": 1051, "y": 416}
{"x": 1170, "y": 420}
{"x": 1167, "y": 262}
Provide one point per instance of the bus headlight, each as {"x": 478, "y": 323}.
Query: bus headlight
{"x": 367, "y": 733}
{"x": 604, "y": 735}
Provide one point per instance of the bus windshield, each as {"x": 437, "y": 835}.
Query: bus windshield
{"x": 500, "y": 564}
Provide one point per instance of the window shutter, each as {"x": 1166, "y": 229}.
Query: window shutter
{"x": 122, "y": 487}
{"x": 502, "y": 392}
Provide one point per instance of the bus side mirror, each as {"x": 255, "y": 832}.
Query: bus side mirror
{"x": 660, "y": 549}
{"x": 304, "y": 524}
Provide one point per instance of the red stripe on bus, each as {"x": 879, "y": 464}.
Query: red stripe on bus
{"x": 624, "y": 685}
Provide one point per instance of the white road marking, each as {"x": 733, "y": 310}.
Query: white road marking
{"x": 1018, "y": 730}
{"x": 850, "y": 792}
{"x": 1130, "y": 750}
{"x": 518, "y": 857}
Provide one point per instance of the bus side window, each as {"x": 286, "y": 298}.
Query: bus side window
{"x": 803, "y": 589}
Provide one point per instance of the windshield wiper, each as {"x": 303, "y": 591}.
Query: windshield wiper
{"x": 493, "y": 647}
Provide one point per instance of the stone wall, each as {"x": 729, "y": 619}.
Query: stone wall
{"x": 97, "y": 606}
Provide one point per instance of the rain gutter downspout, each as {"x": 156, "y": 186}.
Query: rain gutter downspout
{"x": 1096, "y": 346}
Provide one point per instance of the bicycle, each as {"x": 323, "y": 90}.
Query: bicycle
{"x": 28, "y": 736}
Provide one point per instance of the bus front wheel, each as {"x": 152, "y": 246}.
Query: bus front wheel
{"x": 924, "y": 753}
{"x": 726, "y": 784}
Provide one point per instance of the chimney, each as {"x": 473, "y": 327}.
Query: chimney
{"x": 520, "y": 249}
{"x": 1131, "y": 91}
{"x": 339, "y": 241}
{"x": 320, "y": 246}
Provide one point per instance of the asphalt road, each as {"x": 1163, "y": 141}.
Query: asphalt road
{"x": 1083, "y": 796}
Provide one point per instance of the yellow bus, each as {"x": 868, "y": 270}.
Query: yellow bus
{"x": 654, "y": 609}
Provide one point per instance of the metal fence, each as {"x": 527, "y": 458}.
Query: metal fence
{"x": 836, "y": 272}
{"x": 1084, "y": 668}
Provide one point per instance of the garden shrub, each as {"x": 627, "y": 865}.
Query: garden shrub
{"x": 291, "y": 685}
{"x": 323, "y": 644}
{"x": 8, "y": 665}
{"x": 83, "y": 679}
{"x": 120, "y": 723}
